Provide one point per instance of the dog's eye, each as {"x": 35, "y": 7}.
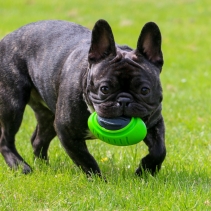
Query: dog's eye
{"x": 145, "y": 90}
{"x": 104, "y": 89}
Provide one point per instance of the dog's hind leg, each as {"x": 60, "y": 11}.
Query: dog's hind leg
{"x": 44, "y": 131}
{"x": 13, "y": 99}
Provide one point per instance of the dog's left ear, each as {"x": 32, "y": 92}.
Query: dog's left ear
{"x": 149, "y": 44}
{"x": 102, "y": 42}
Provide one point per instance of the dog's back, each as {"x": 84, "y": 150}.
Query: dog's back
{"x": 41, "y": 50}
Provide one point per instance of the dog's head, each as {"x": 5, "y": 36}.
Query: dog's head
{"x": 122, "y": 81}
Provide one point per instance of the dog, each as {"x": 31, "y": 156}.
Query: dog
{"x": 64, "y": 72}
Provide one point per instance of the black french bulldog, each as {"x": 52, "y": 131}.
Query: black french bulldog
{"x": 64, "y": 72}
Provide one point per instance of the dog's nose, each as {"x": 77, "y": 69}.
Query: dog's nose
{"x": 124, "y": 101}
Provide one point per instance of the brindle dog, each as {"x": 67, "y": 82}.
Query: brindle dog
{"x": 64, "y": 72}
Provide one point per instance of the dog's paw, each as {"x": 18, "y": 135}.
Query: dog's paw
{"x": 26, "y": 169}
{"x": 138, "y": 171}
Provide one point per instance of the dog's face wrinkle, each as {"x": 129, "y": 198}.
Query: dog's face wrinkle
{"x": 107, "y": 104}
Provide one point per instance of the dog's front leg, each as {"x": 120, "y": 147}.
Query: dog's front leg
{"x": 77, "y": 149}
{"x": 155, "y": 140}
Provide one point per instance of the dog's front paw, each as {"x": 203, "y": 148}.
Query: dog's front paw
{"x": 26, "y": 169}
{"x": 148, "y": 166}
{"x": 139, "y": 171}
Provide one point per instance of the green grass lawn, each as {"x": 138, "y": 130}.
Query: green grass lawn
{"x": 184, "y": 182}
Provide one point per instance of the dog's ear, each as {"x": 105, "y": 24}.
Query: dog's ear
{"x": 149, "y": 44}
{"x": 102, "y": 42}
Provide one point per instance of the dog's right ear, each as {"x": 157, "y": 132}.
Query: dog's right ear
{"x": 102, "y": 42}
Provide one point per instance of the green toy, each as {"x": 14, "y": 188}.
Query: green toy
{"x": 120, "y": 131}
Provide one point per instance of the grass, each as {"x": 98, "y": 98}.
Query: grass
{"x": 185, "y": 180}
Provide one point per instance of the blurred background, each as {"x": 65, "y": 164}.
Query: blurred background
{"x": 186, "y": 74}
{"x": 184, "y": 181}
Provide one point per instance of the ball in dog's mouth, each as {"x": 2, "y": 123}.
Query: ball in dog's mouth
{"x": 120, "y": 131}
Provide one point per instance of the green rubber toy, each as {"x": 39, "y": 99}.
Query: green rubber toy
{"x": 119, "y": 131}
